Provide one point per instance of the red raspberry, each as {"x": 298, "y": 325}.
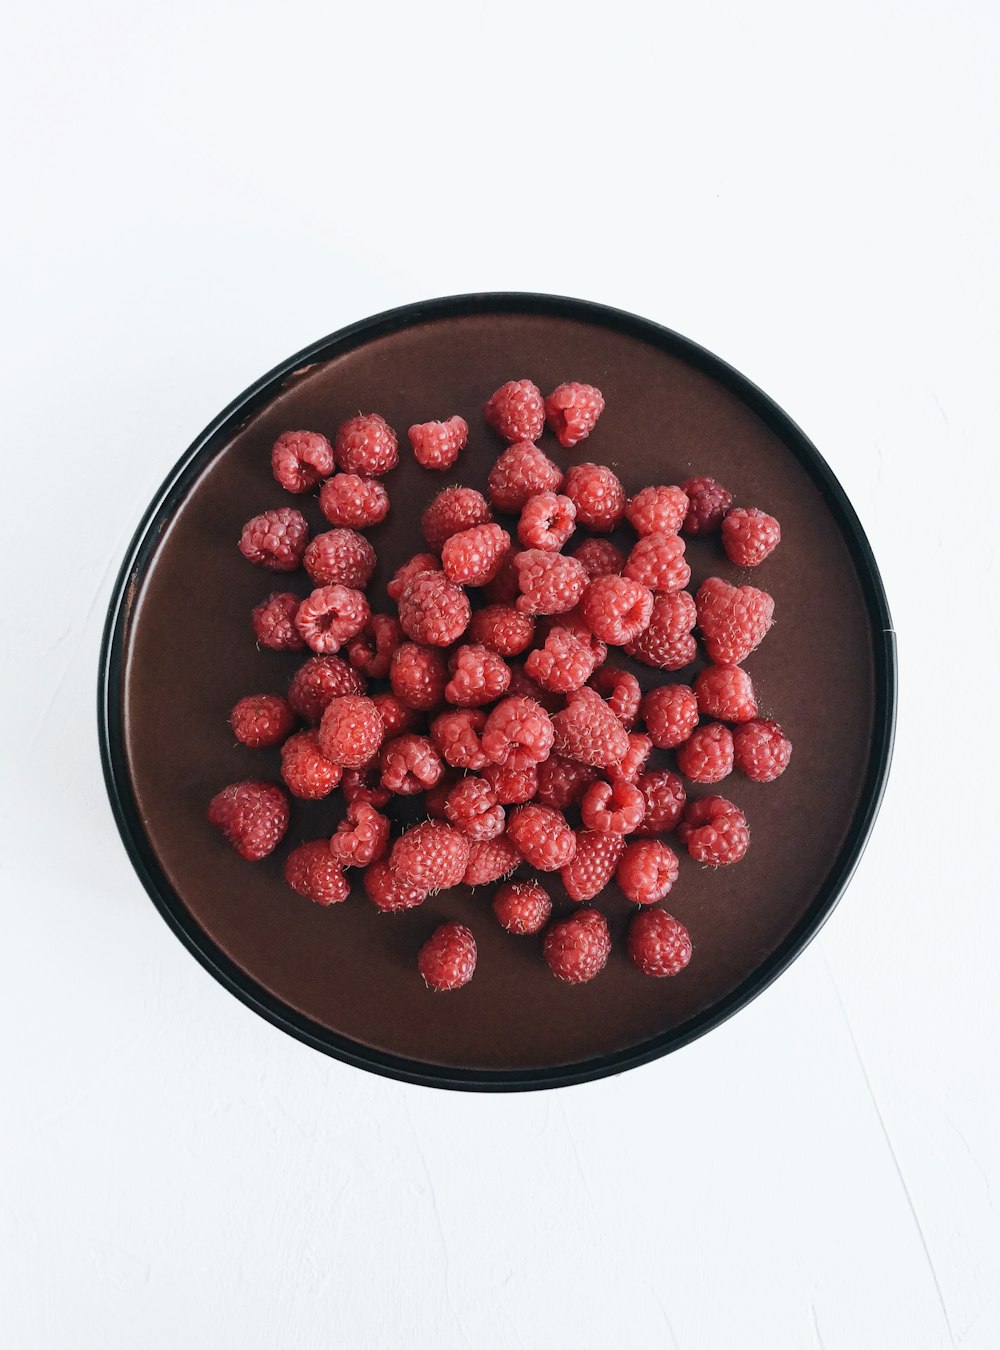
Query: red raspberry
{"x": 600, "y": 557}
{"x": 542, "y": 835}
{"x": 435, "y": 797}
{"x": 398, "y": 718}
{"x": 521, "y": 472}
{"x": 546, "y": 521}
{"x": 714, "y": 831}
{"x": 253, "y": 817}
{"x": 593, "y": 866}
{"x": 348, "y": 499}
{"x": 360, "y": 785}
{"x": 577, "y": 949}
{"x": 453, "y": 510}
{"x": 598, "y": 495}
{"x": 518, "y": 732}
{"x": 708, "y": 502}
{"x": 512, "y": 785}
{"x": 366, "y": 444}
{"x": 621, "y": 692}
{"x": 457, "y": 736}
{"x": 339, "y": 556}
{"x": 362, "y": 837}
{"x": 749, "y": 536}
{"x": 273, "y": 622}
{"x": 550, "y": 583}
{"x": 613, "y": 808}
{"x": 572, "y": 622}
{"x": 351, "y": 731}
{"x": 490, "y": 860}
{"x": 647, "y": 871}
{"x": 301, "y": 459}
{"x": 572, "y": 410}
{"x": 371, "y": 651}
{"x": 502, "y": 629}
{"x": 616, "y": 609}
{"x": 504, "y": 588}
{"x": 447, "y": 960}
{"x": 516, "y": 411}
{"x": 523, "y": 686}
{"x": 331, "y": 615}
{"x": 319, "y": 680}
{"x": 431, "y": 855}
{"x": 587, "y": 730}
{"x": 474, "y": 557}
{"x": 666, "y": 642}
{"x": 657, "y": 510}
{"x": 665, "y": 798}
{"x": 725, "y": 692}
{"x": 418, "y": 676}
{"x": 404, "y": 574}
{"x": 522, "y": 907}
{"x": 658, "y": 562}
{"x": 436, "y": 445}
{"x": 639, "y": 749}
{"x": 670, "y": 714}
{"x": 707, "y": 755}
{"x": 276, "y": 539}
{"x": 657, "y": 943}
{"x": 733, "y": 619}
{"x": 478, "y": 676}
{"x": 306, "y": 770}
{"x": 433, "y": 610}
{"x": 310, "y": 870}
{"x": 761, "y": 750}
{"x": 261, "y": 720}
{"x": 472, "y": 807}
{"x": 562, "y": 782}
{"x": 389, "y": 892}
{"x": 410, "y": 764}
{"x": 563, "y": 664}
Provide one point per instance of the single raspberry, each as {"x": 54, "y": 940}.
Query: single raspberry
{"x": 435, "y": 797}
{"x": 301, "y": 459}
{"x": 616, "y": 609}
{"x": 621, "y": 691}
{"x": 436, "y": 445}
{"x": 665, "y": 796}
{"x": 478, "y": 676}
{"x": 472, "y": 807}
{"x": 522, "y": 907}
{"x": 330, "y": 616}
{"x": 563, "y": 664}
{"x": 725, "y": 692}
{"x": 512, "y": 785}
{"x": 671, "y": 714}
{"x": 339, "y": 556}
{"x": 389, "y": 892}
{"x": 516, "y": 411}
{"x": 433, "y": 610}
{"x": 714, "y": 831}
{"x": 490, "y": 860}
{"x": 457, "y": 736}
{"x": 447, "y": 960}
{"x": 410, "y": 764}
{"x": 276, "y": 539}
{"x": 398, "y": 718}
{"x": 733, "y": 619}
{"x": 749, "y": 536}
{"x": 502, "y": 629}
{"x": 546, "y": 521}
{"x": 306, "y": 770}
{"x": 404, "y": 574}
{"x": 474, "y": 557}
{"x": 562, "y": 782}
{"x": 319, "y": 680}
{"x": 591, "y": 870}
{"x": 708, "y": 502}
{"x": 634, "y": 761}
{"x": 453, "y": 510}
{"x": 504, "y": 588}
{"x": 658, "y": 943}
{"x": 273, "y": 622}
{"x": 761, "y": 750}
{"x": 658, "y": 562}
{"x": 577, "y": 949}
{"x": 371, "y": 651}
{"x": 572, "y": 622}
{"x": 518, "y": 732}
{"x": 543, "y": 836}
{"x": 572, "y": 410}
{"x": 613, "y": 808}
{"x": 366, "y": 444}
{"x": 521, "y": 472}
{"x": 549, "y": 582}
{"x": 310, "y": 870}
{"x": 253, "y": 817}
{"x": 600, "y": 557}
{"x": 418, "y": 676}
{"x": 523, "y": 686}
{"x": 666, "y": 643}
{"x": 587, "y": 730}
{"x": 261, "y": 720}
{"x": 431, "y": 855}
{"x": 362, "y": 837}
{"x": 348, "y": 499}
{"x": 647, "y": 871}
{"x": 351, "y": 731}
{"x": 707, "y": 755}
{"x": 362, "y": 785}
{"x": 598, "y": 495}
{"x": 657, "y": 510}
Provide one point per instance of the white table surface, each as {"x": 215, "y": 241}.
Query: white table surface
{"x": 196, "y": 190}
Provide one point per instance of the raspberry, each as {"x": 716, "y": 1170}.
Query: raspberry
{"x": 733, "y": 619}
{"x": 563, "y": 664}
{"x": 472, "y": 807}
{"x": 447, "y": 960}
{"x": 647, "y": 871}
{"x": 594, "y": 865}
{"x": 571, "y": 622}
{"x": 435, "y": 797}
{"x": 708, "y": 502}
{"x": 339, "y": 556}
{"x": 562, "y": 782}
{"x": 301, "y": 459}
{"x": 577, "y": 949}
{"x": 550, "y": 583}
{"x": 319, "y": 680}
{"x": 546, "y": 521}
{"x": 490, "y": 860}
{"x": 543, "y": 836}
{"x": 360, "y": 785}
{"x": 398, "y": 718}
{"x": 613, "y": 808}
{"x": 433, "y": 610}
{"x": 657, "y": 943}
{"x": 587, "y": 730}
{"x": 761, "y": 750}
{"x": 616, "y": 609}
{"x": 331, "y": 615}
{"x": 521, "y": 472}
{"x": 453, "y": 510}
{"x": 478, "y": 676}
{"x": 432, "y": 855}
{"x": 261, "y": 720}
{"x": 600, "y": 557}
{"x": 523, "y": 686}
{"x": 273, "y": 622}
{"x": 436, "y": 445}
{"x": 516, "y": 411}
{"x": 657, "y": 510}
{"x": 275, "y": 539}
{"x": 504, "y": 588}
{"x": 725, "y": 692}
{"x": 522, "y": 907}
{"x": 670, "y": 714}
{"x": 388, "y": 892}
{"x": 598, "y": 496}
{"x": 707, "y": 755}
{"x": 518, "y": 732}
{"x": 572, "y": 410}
{"x": 457, "y": 737}
{"x": 749, "y": 536}
{"x": 253, "y": 817}
{"x": 474, "y": 557}
{"x": 404, "y": 574}
{"x": 362, "y": 837}
{"x": 665, "y": 798}
{"x": 371, "y": 651}
{"x": 366, "y": 444}
{"x": 502, "y": 629}
{"x": 351, "y": 731}
{"x": 512, "y": 785}
{"x": 410, "y": 764}
{"x": 714, "y": 831}
{"x": 667, "y": 643}
{"x": 418, "y": 676}
{"x": 658, "y": 562}
{"x": 310, "y": 870}
{"x": 306, "y": 770}
{"x": 348, "y": 499}
{"x": 621, "y": 692}
{"x": 634, "y": 761}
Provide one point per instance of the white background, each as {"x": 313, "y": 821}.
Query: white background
{"x": 193, "y": 192}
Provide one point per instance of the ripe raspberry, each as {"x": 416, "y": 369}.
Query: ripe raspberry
{"x": 707, "y": 755}
{"x": 502, "y": 629}
{"x": 657, "y": 510}
{"x": 366, "y": 444}
{"x": 587, "y": 730}
{"x": 348, "y": 499}
{"x": 516, "y": 411}
{"x": 389, "y": 892}
{"x": 708, "y": 502}
{"x": 319, "y": 680}
{"x": 261, "y": 720}
{"x": 761, "y": 750}
{"x": 273, "y": 622}
{"x": 714, "y": 831}
{"x": 749, "y": 536}
{"x": 598, "y": 495}
{"x": 478, "y": 676}
{"x": 591, "y": 870}
{"x": 616, "y": 609}
{"x": 518, "y": 732}
{"x": 331, "y": 615}
{"x": 600, "y": 557}
{"x": 671, "y": 714}
{"x": 306, "y": 770}
{"x": 523, "y": 686}
{"x": 521, "y": 472}
{"x": 351, "y": 731}
{"x": 733, "y": 619}
{"x": 504, "y": 588}
{"x": 658, "y": 562}
{"x": 490, "y": 860}
{"x": 572, "y": 410}
{"x": 613, "y": 808}
{"x": 371, "y": 651}
{"x": 404, "y": 574}
{"x": 339, "y": 556}
{"x": 542, "y": 835}
{"x": 431, "y": 855}
{"x": 398, "y": 718}
{"x": 563, "y": 664}
{"x": 546, "y": 521}
{"x": 549, "y": 582}
{"x": 621, "y": 691}
{"x": 433, "y": 610}
{"x": 453, "y": 510}
{"x": 436, "y": 445}
{"x": 301, "y": 459}
{"x": 418, "y": 676}
{"x": 362, "y": 837}
{"x": 361, "y": 785}
{"x": 666, "y": 643}
{"x": 647, "y": 871}
{"x": 522, "y": 907}
{"x": 253, "y": 817}
{"x": 725, "y": 692}
{"x": 562, "y": 782}
{"x": 474, "y": 557}
{"x": 457, "y": 736}
{"x": 275, "y": 539}
{"x": 410, "y": 764}
{"x": 512, "y": 785}
{"x": 577, "y": 949}
{"x": 310, "y": 870}
{"x": 447, "y": 960}
{"x": 634, "y": 761}
{"x": 435, "y": 797}
{"x": 572, "y": 622}
{"x": 657, "y": 943}
{"x": 665, "y": 798}
{"x": 472, "y": 807}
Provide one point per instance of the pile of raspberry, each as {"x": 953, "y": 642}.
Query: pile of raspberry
{"x": 497, "y": 686}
